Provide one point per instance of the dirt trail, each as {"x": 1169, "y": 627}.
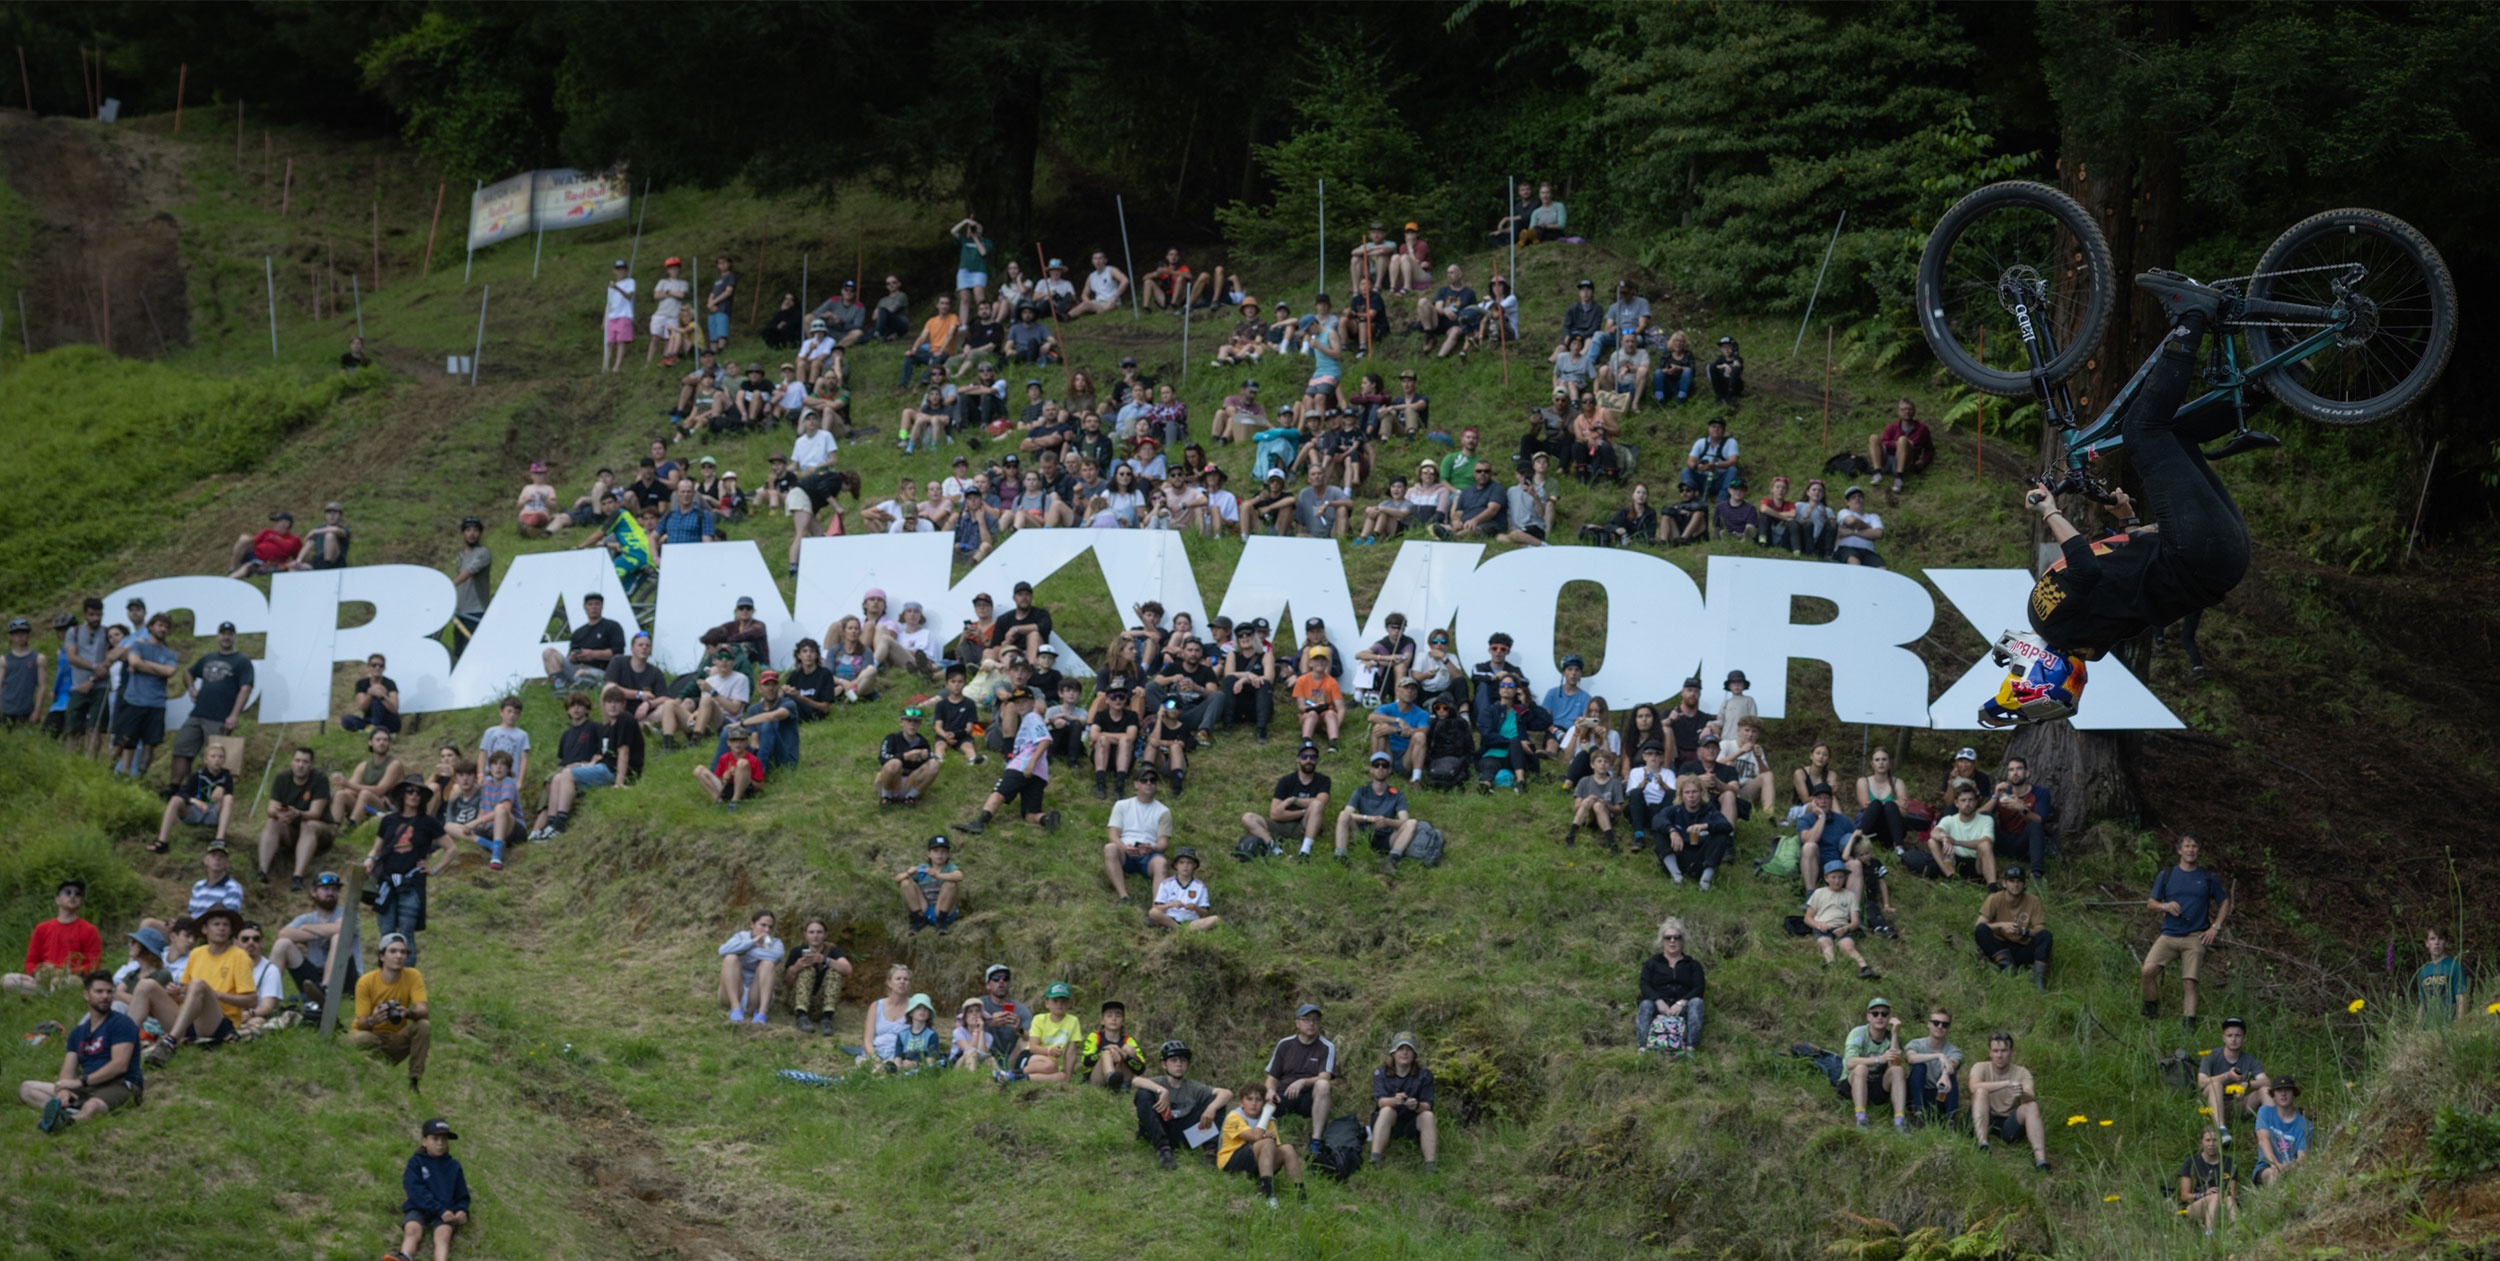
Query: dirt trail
{"x": 104, "y": 264}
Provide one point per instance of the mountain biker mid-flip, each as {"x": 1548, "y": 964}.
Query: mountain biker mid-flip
{"x": 2101, "y": 592}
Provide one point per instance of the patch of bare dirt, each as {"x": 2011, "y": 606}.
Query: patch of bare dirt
{"x": 105, "y": 264}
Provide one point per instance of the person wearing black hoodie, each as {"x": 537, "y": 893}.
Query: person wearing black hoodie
{"x": 438, "y": 1194}
{"x": 1671, "y": 985}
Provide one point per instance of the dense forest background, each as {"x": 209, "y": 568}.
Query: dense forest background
{"x": 1716, "y": 142}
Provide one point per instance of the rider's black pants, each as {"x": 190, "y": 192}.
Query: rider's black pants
{"x": 2203, "y": 540}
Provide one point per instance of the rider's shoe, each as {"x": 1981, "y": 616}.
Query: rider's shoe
{"x": 2179, "y": 296}
{"x": 2244, "y": 441}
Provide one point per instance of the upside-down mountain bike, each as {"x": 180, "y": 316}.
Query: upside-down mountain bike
{"x": 2347, "y": 318}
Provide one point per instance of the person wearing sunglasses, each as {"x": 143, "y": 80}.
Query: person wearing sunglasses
{"x": 1300, "y": 801}
{"x": 1935, "y": 1067}
{"x": 1671, "y": 986}
{"x": 906, "y": 762}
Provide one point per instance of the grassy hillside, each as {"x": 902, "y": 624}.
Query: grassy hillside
{"x": 605, "y": 1107}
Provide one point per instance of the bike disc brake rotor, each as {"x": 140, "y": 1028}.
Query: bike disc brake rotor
{"x": 2022, "y": 283}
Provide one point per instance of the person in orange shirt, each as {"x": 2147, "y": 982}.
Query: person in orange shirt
{"x": 937, "y": 341}
{"x": 1319, "y": 699}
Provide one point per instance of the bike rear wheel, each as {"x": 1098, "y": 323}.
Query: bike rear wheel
{"x": 2014, "y": 232}
{"x": 2404, "y": 313}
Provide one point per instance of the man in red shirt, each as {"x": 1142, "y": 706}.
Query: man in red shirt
{"x": 271, "y": 551}
{"x": 62, "y": 945}
{"x": 1906, "y": 445}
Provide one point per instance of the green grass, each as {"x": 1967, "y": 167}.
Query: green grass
{"x": 605, "y": 1107}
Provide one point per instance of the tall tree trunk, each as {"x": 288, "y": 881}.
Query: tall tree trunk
{"x": 2130, "y": 185}
{"x": 999, "y": 184}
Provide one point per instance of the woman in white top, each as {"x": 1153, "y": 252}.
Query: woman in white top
{"x": 1501, "y": 313}
{"x": 672, "y": 291}
{"x": 1181, "y": 900}
{"x": 1013, "y": 289}
{"x": 812, "y": 356}
{"x": 1592, "y": 731}
{"x": 1105, "y": 288}
{"x": 1427, "y": 497}
{"x": 887, "y": 1018}
{"x": 748, "y": 962}
{"x": 917, "y": 643}
{"x": 1223, "y": 506}
{"x": 1120, "y": 502}
{"x": 719, "y": 698}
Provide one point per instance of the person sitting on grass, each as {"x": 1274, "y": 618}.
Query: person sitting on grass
{"x": 1905, "y": 446}
{"x": 99, "y": 1066}
{"x": 750, "y": 961}
{"x": 1110, "y": 1058}
{"x": 2230, "y": 1079}
{"x": 906, "y": 762}
{"x": 2208, "y": 1184}
{"x": 594, "y": 756}
{"x": 1402, "y": 1102}
{"x": 203, "y": 798}
{"x": 933, "y": 889}
{"x": 1596, "y": 801}
{"x": 1319, "y": 698}
{"x": 737, "y": 775}
{"x": 1114, "y": 740}
{"x": 365, "y": 790}
{"x": 1180, "y": 900}
{"x": 1966, "y": 834}
{"x": 1169, "y": 1104}
{"x": 1832, "y": 912}
{"x": 392, "y": 1017}
{"x": 1379, "y": 806}
{"x": 2004, "y": 1102}
{"x": 64, "y": 946}
{"x": 1138, "y": 834}
{"x": 958, "y": 719}
{"x": 919, "y": 1045}
{"x": 816, "y": 971}
{"x": 1692, "y": 834}
{"x": 1052, "y": 1041}
{"x": 1935, "y": 1067}
{"x": 1299, "y": 800}
{"x": 1301, "y": 1070}
{"x": 2283, "y": 1134}
{"x": 1252, "y": 1148}
{"x": 1671, "y": 985}
{"x": 437, "y": 1194}
{"x": 1027, "y": 773}
{"x": 1870, "y": 1058}
{"x": 2013, "y": 930}
{"x": 466, "y": 818}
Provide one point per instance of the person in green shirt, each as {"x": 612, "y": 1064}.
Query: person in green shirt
{"x": 1458, "y": 468}
{"x": 2440, "y": 983}
{"x": 972, "y": 264}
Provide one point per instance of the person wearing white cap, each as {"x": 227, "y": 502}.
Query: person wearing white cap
{"x": 620, "y": 321}
{"x": 672, "y": 292}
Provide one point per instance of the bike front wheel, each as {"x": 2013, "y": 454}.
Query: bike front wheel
{"x": 2014, "y": 235}
{"x": 2395, "y": 295}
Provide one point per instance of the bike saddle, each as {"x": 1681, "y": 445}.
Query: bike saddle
{"x": 2242, "y": 442}
{"x": 2179, "y": 295}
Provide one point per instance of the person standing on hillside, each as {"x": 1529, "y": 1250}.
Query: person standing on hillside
{"x": 221, "y": 685}
{"x": 65, "y": 945}
{"x": 2440, "y": 984}
{"x": 83, "y": 647}
{"x": 719, "y": 303}
{"x": 2193, "y": 905}
{"x": 21, "y": 676}
{"x": 402, "y": 857}
{"x": 672, "y": 291}
{"x": 139, "y": 718}
{"x": 620, "y": 319}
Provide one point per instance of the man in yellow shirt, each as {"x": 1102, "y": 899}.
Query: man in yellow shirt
{"x": 217, "y": 981}
{"x": 391, "y": 1013}
{"x": 1054, "y": 1038}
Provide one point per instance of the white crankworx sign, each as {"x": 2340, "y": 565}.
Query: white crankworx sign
{"x": 1659, "y": 626}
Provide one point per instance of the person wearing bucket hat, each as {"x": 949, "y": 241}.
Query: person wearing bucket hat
{"x": 2282, "y": 1132}
{"x": 1402, "y": 1101}
{"x": 919, "y": 1045}
{"x": 1170, "y": 1104}
{"x": 1735, "y": 706}
{"x": 437, "y": 1194}
{"x": 100, "y": 1068}
{"x": 403, "y": 855}
{"x": 218, "y": 989}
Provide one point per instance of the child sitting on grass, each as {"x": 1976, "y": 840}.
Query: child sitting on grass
{"x": 438, "y": 1194}
{"x": 1833, "y": 915}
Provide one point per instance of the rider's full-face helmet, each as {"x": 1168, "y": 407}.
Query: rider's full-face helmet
{"x": 2041, "y": 684}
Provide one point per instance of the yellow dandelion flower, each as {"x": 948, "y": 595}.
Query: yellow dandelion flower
{"x": 2204, "y": 1112}
{"x": 2077, "y": 1119}
{"x": 2183, "y": 1212}
{"x": 2106, "y": 1124}
{"x": 2356, "y": 1006}
{"x": 2493, "y": 1010}
{"x": 2348, "y": 1085}
{"x": 2109, "y": 1199}
{"x": 2235, "y": 1089}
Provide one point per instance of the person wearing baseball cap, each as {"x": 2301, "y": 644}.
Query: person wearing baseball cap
{"x": 221, "y": 685}
{"x": 21, "y": 675}
{"x": 1301, "y": 1072}
{"x": 1027, "y": 772}
{"x": 671, "y": 291}
{"x": 620, "y": 317}
{"x": 907, "y": 761}
{"x": 772, "y": 720}
{"x": 404, "y": 851}
{"x": 1003, "y": 1017}
{"x": 1300, "y": 801}
{"x": 934, "y": 888}
{"x": 737, "y": 773}
{"x": 1052, "y": 1041}
{"x": 64, "y": 945}
{"x": 274, "y": 549}
{"x": 437, "y": 1193}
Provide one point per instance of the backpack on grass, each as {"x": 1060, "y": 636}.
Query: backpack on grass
{"x": 1426, "y": 845}
{"x": 1341, "y": 1146}
{"x": 1783, "y": 859}
{"x": 1665, "y": 1033}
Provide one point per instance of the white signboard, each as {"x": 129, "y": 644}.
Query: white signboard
{"x": 1660, "y": 625}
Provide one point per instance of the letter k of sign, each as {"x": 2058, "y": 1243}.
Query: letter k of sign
{"x": 1992, "y": 601}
